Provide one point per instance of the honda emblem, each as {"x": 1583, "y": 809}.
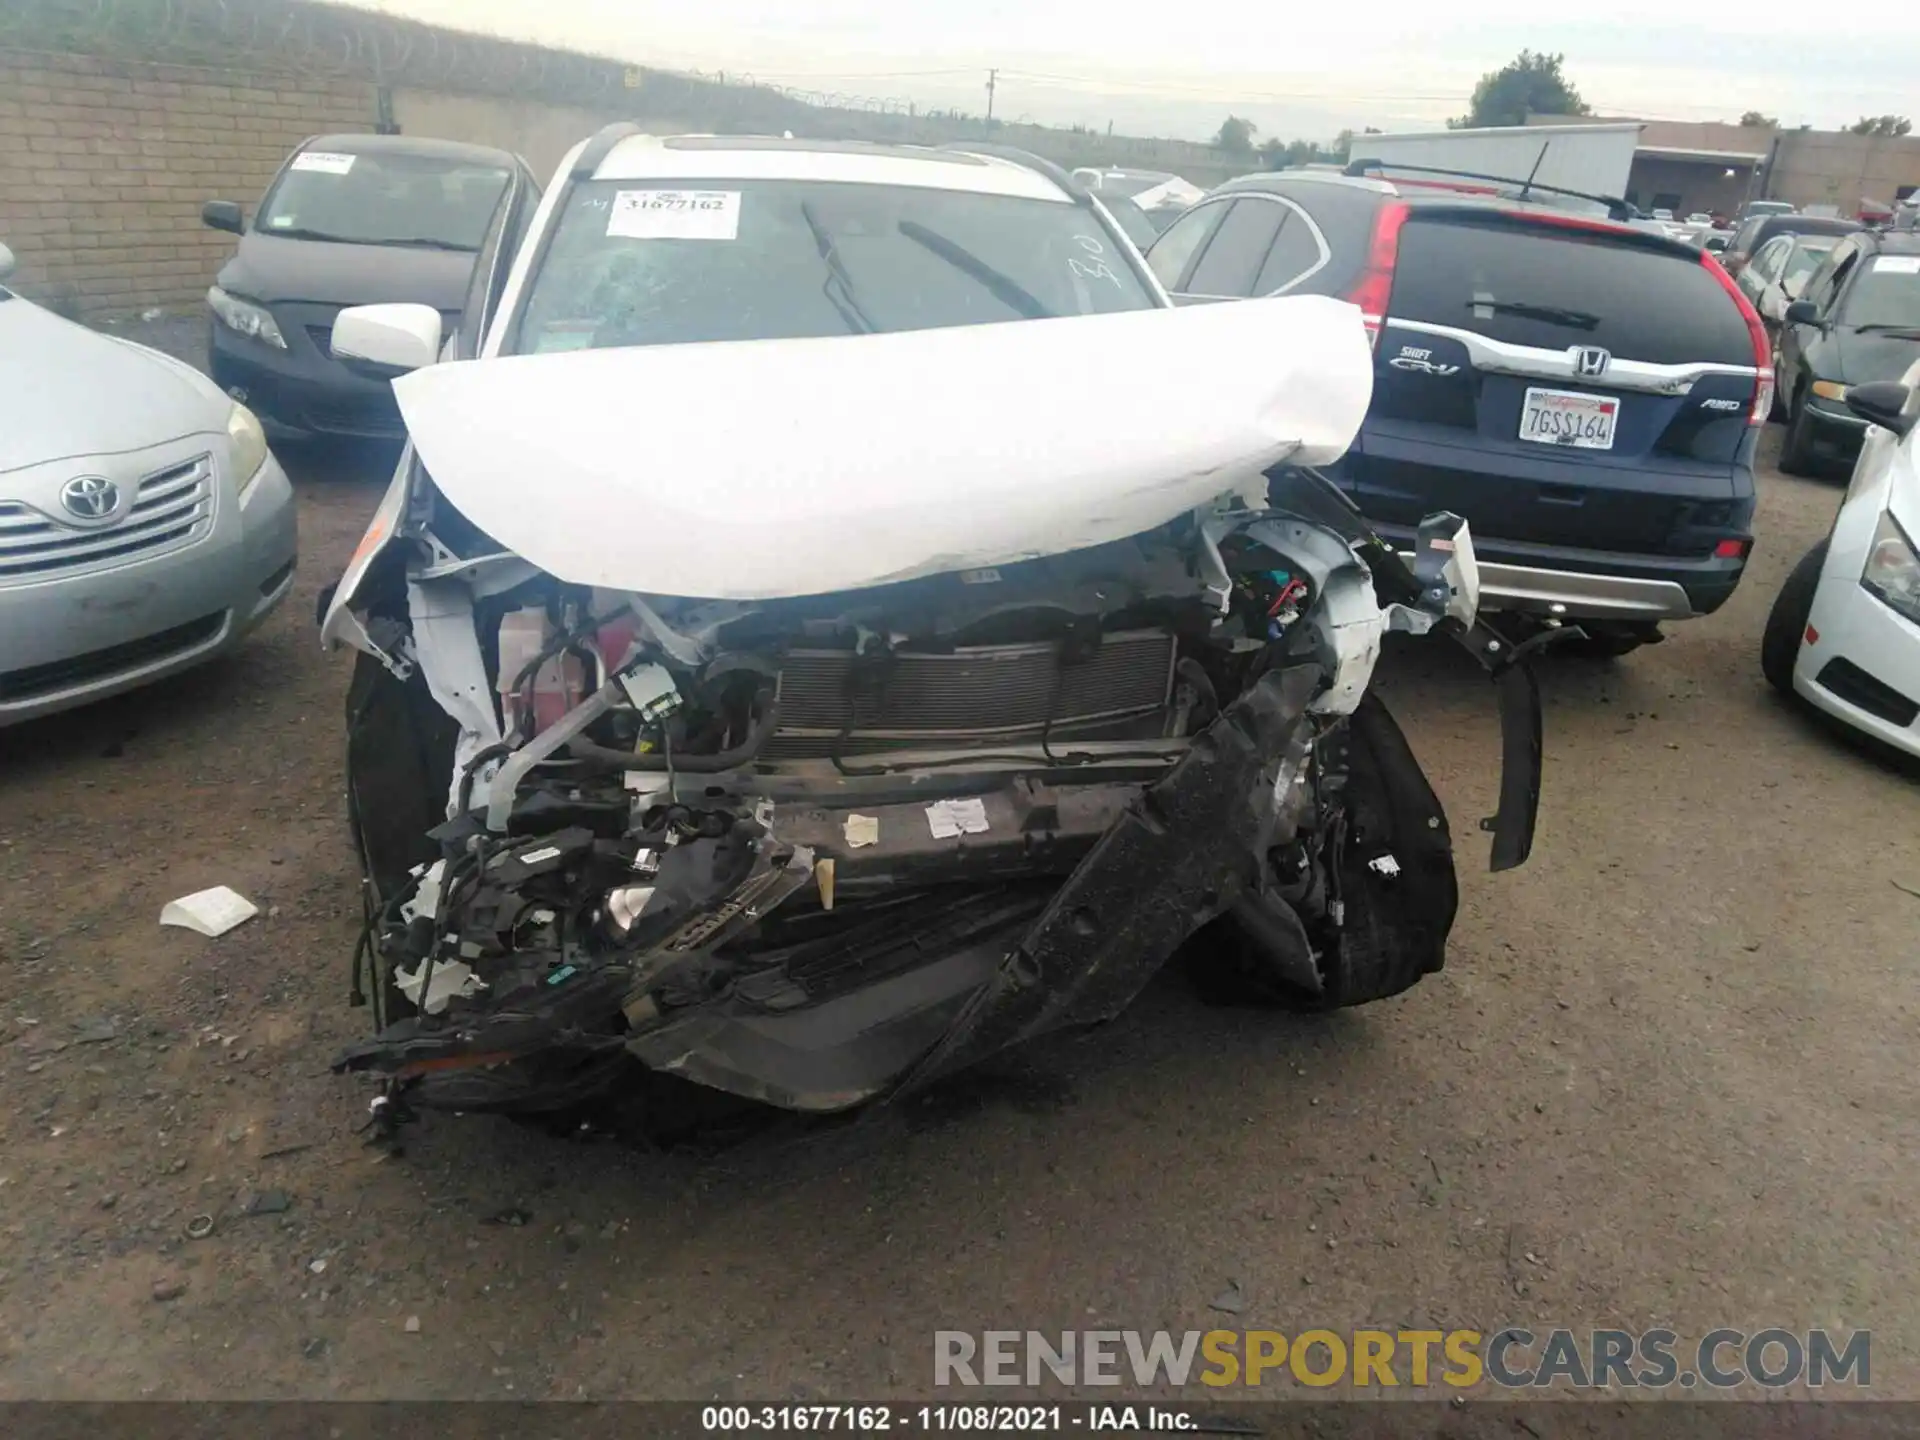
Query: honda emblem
{"x": 1590, "y": 361}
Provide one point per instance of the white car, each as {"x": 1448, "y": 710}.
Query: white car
{"x": 748, "y": 580}
{"x": 1844, "y": 634}
{"x": 1772, "y": 280}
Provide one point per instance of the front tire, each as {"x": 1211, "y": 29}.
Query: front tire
{"x": 1787, "y": 621}
{"x": 1396, "y": 882}
{"x": 1796, "y": 451}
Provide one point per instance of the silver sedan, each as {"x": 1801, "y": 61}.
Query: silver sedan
{"x": 144, "y": 525}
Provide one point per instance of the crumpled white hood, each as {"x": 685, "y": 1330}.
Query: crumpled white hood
{"x": 759, "y": 469}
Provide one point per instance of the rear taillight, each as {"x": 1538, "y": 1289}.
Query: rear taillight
{"x": 1757, "y": 332}
{"x": 1374, "y": 288}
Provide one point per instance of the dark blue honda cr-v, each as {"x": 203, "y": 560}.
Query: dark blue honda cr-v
{"x": 1587, "y": 394}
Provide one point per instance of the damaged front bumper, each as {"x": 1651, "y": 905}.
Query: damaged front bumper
{"x": 898, "y": 941}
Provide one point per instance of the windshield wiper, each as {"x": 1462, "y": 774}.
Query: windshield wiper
{"x": 838, "y": 286}
{"x": 1551, "y": 314}
{"x": 300, "y": 232}
{"x": 1004, "y": 287}
{"x": 422, "y": 242}
{"x": 425, "y": 242}
{"x": 1881, "y": 327}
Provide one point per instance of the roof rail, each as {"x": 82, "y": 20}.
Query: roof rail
{"x": 1617, "y": 208}
{"x": 601, "y": 145}
{"x": 1056, "y": 173}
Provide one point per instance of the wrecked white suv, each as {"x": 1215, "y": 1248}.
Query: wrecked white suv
{"x": 778, "y": 674}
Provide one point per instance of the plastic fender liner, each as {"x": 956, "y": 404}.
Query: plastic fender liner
{"x": 1183, "y": 852}
{"x": 1521, "y": 740}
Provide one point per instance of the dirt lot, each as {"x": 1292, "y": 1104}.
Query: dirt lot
{"x": 1666, "y": 1077}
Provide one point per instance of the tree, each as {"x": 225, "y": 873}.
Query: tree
{"x": 1880, "y": 125}
{"x": 1236, "y": 136}
{"x": 1754, "y": 118}
{"x": 1529, "y": 85}
{"x": 1276, "y": 154}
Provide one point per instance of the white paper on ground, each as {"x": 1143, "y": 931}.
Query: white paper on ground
{"x": 675, "y": 215}
{"x": 209, "y": 912}
{"x": 948, "y": 818}
{"x": 753, "y": 469}
{"x": 861, "y": 831}
{"x": 324, "y": 161}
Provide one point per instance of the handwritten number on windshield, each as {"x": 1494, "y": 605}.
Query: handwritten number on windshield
{"x": 1093, "y": 269}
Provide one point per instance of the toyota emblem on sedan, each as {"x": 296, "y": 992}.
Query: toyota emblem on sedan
{"x": 90, "y": 497}
{"x": 1590, "y": 360}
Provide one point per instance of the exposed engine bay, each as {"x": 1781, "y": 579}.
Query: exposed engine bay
{"x": 817, "y": 850}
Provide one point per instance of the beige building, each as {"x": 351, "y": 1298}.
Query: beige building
{"x": 1685, "y": 166}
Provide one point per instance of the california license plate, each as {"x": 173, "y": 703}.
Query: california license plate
{"x": 1566, "y": 417}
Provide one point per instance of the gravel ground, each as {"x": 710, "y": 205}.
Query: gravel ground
{"x": 1663, "y": 1079}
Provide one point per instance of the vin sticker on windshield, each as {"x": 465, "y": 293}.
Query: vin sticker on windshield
{"x": 675, "y": 215}
{"x": 325, "y": 161}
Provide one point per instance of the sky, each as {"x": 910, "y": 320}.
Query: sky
{"x": 1296, "y": 71}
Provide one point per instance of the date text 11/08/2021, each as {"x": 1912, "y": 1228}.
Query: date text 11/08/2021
{"x": 956, "y": 1419}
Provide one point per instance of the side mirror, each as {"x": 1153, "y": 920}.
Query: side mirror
{"x": 6, "y": 262}
{"x": 382, "y": 341}
{"x": 223, "y": 215}
{"x": 1803, "y": 312}
{"x": 1884, "y": 402}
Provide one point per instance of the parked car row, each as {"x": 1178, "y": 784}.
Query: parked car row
{"x": 1119, "y": 697}
{"x": 1857, "y": 322}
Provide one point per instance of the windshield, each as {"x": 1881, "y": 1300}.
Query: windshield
{"x": 1888, "y": 295}
{"x": 634, "y": 264}
{"x": 383, "y": 199}
{"x": 1803, "y": 258}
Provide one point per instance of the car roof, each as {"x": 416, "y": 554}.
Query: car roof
{"x": 1420, "y": 195}
{"x": 457, "y": 151}
{"x": 1772, "y": 225}
{"x": 1892, "y": 242}
{"x": 1272, "y": 180}
{"x": 741, "y": 157}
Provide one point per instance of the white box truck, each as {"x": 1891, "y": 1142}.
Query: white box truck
{"x": 1589, "y": 159}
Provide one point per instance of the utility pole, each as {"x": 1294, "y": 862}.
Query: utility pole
{"x": 993, "y": 78}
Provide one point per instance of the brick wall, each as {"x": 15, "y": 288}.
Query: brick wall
{"x": 104, "y": 165}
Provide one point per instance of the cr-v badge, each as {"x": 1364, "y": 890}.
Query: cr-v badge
{"x": 1411, "y": 357}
